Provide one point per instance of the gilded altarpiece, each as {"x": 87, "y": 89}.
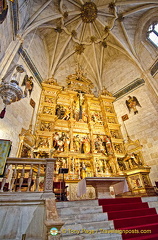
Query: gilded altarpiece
{"x": 81, "y": 131}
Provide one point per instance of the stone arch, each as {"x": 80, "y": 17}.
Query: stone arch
{"x": 142, "y": 27}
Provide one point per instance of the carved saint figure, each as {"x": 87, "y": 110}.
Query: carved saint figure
{"x": 108, "y": 144}
{"x": 83, "y": 170}
{"x": 55, "y": 140}
{"x": 134, "y": 160}
{"x": 60, "y": 145}
{"x": 86, "y": 145}
{"x": 99, "y": 145}
{"x": 77, "y": 143}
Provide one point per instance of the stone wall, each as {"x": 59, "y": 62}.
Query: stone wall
{"x": 119, "y": 72}
{"x": 142, "y": 126}
{"x": 19, "y": 114}
{"x": 22, "y": 213}
{"x": 35, "y": 47}
{"x": 5, "y": 34}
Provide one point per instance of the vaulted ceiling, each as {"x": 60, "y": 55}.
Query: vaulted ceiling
{"x": 89, "y": 33}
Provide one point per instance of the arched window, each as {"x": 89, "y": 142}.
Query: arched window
{"x": 152, "y": 33}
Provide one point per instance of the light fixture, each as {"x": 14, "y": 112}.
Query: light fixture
{"x": 10, "y": 91}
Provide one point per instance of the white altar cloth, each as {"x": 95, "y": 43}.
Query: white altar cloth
{"x": 102, "y": 185}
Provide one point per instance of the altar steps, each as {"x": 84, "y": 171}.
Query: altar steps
{"x": 85, "y": 220}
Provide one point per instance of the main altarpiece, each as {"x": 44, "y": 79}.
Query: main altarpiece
{"x": 82, "y": 132}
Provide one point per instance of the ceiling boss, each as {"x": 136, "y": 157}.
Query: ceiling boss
{"x": 89, "y": 22}
{"x": 89, "y": 12}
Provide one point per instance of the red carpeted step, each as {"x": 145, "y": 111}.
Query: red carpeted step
{"x": 118, "y": 200}
{"x": 121, "y": 207}
{"x": 135, "y": 221}
{"x": 146, "y": 237}
{"x": 131, "y": 213}
{"x": 137, "y": 231}
{"x": 132, "y": 216}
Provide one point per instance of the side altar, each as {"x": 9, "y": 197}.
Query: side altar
{"x": 82, "y": 132}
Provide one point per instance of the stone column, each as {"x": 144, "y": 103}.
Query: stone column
{"x": 53, "y": 221}
{"x": 71, "y": 134}
{"x": 88, "y": 98}
{"x": 48, "y": 187}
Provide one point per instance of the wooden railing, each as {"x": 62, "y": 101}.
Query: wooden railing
{"x": 28, "y": 174}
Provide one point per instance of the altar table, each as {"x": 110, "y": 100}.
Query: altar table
{"x": 102, "y": 184}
